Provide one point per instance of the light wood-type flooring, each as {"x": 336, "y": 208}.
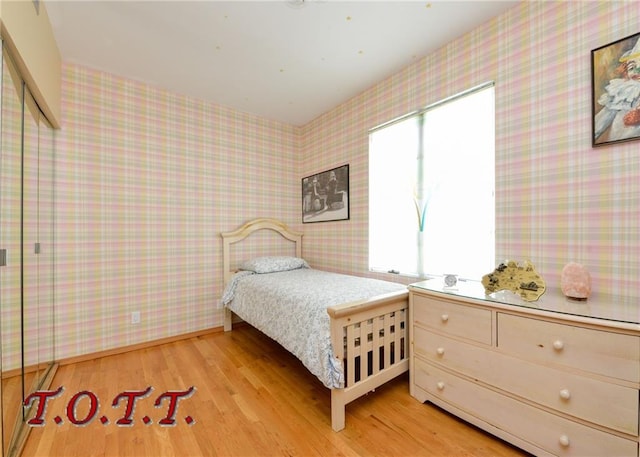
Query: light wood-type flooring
{"x": 252, "y": 398}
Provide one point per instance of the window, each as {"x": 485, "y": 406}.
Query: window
{"x": 431, "y": 189}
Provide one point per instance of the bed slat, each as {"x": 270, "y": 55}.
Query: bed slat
{"x": 377, "y": 340}
{"x": 352, "y": 334}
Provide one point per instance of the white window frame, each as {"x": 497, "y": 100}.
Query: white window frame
{"x": 426, "y": 246}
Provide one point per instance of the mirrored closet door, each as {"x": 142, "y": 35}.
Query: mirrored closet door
{"x": 26, "y": 251}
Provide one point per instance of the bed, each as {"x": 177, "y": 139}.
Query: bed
{"x": 351, "y": 332}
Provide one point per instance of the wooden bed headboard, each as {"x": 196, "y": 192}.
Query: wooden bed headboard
{"x": 229, "y": 238}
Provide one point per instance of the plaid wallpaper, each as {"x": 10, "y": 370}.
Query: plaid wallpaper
{"x": 147, "y": 179}
{"x": 557, "y": 198}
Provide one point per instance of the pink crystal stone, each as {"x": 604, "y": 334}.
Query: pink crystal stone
{"x": 575, "y": 281}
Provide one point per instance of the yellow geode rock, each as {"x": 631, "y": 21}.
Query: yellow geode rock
{"x": 520, "y": 279}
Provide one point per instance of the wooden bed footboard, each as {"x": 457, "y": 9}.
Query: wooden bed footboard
{"x": 371, "y": 340}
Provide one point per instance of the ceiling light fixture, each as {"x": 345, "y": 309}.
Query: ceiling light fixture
{"x": 297, "y": 4}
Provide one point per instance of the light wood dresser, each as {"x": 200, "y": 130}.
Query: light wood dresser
{"x": 553, "y": 377}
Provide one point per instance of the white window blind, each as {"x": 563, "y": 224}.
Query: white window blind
{"x": 431, "y": 195}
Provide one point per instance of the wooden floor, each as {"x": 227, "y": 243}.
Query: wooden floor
{"x": 252, "y": 398}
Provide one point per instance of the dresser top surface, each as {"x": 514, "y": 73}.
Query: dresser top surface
{"x": 605, "y": 307}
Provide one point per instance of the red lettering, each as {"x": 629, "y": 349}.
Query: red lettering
{"x": 131, "y": 396}
{"x": 42, "y": 396}
{"x": 173, "y": 397}
{"x": 93, "y": 408}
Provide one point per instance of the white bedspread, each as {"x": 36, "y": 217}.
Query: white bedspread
{"x": 291, "y": 308}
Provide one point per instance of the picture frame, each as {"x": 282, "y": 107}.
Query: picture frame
{"x": 615, "y": 74}
{"x": 325, "y": 196}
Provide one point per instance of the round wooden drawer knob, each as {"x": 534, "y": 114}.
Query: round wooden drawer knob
{"x": 444, "y": 317}
{"x": 558, "y": 345}
{"x": 564, "y": 441}
{"x": 440, "y": 351}
{"x": 440, "y": 385}
{"x": 565, "y": 394}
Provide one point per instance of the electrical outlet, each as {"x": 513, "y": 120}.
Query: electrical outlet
{"x": 135, "y": 317}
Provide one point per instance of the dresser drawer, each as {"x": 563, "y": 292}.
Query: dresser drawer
{"x": 552, "y": 433}
{"x": 593, "y": 400}
{"x": 610, "y": 354}
{"x": 460, "y": 320}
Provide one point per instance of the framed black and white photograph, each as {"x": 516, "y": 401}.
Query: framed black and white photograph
{"x": 325, "y": 196}
{"x": 615, "y": 78}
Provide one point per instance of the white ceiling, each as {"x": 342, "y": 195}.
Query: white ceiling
{"x": 287, "y": 60}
